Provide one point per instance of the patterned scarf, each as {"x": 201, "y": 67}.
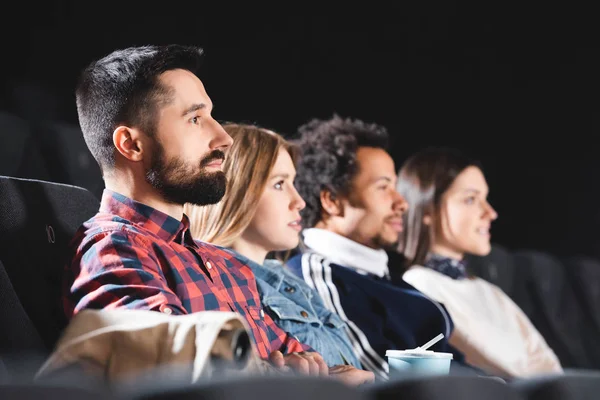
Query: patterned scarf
{"x": 455, "y": 269}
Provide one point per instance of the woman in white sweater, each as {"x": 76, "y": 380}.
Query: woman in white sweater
{"x": 449, "y": 216}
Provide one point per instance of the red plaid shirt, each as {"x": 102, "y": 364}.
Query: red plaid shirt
{"x": 133, "y": 256}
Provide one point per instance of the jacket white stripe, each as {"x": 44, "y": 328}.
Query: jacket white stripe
{"x": 317, "y": 274}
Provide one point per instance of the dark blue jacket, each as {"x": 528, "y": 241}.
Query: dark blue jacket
{"x": 381, "y": 315}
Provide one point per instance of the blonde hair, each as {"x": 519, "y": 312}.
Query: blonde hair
{"x": 247, "y": 167}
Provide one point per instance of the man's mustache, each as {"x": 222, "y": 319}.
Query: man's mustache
{"x": 214, "y": 155}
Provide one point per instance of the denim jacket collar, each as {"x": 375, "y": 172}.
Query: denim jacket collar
{"x": 274, "y": 273}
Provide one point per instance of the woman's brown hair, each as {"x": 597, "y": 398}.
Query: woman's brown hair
{"x": 422, "y": 181}
{"x": 247, "y": 166}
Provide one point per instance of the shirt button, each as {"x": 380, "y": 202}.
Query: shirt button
{"x": 262, "y": 313}
{"x": 166, "y": 310}
{"x": 304, "y": 314}
{"x": 208, "y": 265}
{"x": 290, "y": 289}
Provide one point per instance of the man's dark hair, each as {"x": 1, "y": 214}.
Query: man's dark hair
{"x": 328, "y": 159}
{"x": 123, "y": 88}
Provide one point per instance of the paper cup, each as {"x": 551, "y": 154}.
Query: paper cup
{"x": 418, "y": 362}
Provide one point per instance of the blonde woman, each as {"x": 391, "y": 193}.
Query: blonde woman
{"x": 259, "y": 214}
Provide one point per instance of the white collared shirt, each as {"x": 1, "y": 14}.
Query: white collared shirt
{"x": 346, "y": 252}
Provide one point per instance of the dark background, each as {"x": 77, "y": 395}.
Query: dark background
{"x": 514, "y": 84}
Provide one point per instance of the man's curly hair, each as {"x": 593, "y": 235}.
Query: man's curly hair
{"x": 328, "y": 159}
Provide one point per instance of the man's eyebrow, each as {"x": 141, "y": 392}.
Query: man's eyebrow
{"x": 192, "y": 108}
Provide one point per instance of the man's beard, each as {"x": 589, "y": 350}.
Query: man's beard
{"x": 179, "y": 183}
{"x": 385, "y": 244}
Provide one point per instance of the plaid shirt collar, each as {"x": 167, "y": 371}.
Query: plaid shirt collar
{"x": 150, "y": 219}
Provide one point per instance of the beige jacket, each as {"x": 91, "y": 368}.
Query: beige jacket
{"x": 489, "y": 328}
{"x": 120, "y": 344}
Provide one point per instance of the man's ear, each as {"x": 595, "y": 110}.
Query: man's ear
{"x": 331, "y": 204}
{"x": 128, "y": 142}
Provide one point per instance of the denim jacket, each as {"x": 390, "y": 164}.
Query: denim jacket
{"x": 299, "y": 310}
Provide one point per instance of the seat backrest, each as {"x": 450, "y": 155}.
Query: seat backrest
{"x": 552, "y": 306}
{"x": 444, "y": 387}
{"x": 18, "y": 332}
{"x": 28, "y": 391}
{"x": 20, "y": 154}
{"x": 585, "y": 277}
{"x": 68, "y": 157}
{"x": 584, "y": 274}
{"x": 4, "y": 375}
{"x": 573, "y": 385}
{"x": 22, "y": 350}
{"x": 498, "y": 267}
{"x": 34, "y": 102}
{"x": 37, "y": 221}
{"x": 252, "y": 388}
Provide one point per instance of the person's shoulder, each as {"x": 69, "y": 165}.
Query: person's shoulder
{"x": 108, "y": 228}
{"x": 226, "y": 254}
{"x": 277, "y": 267}
{"x": 489, "y": 286}
{"x": 420, "y": 271}
{"x": 308, "y": 258}
{"x": 423, "y": 278}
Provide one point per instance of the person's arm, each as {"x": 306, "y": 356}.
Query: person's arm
{"x": 118, "y": 270}
{"x": 541, "y": 358}
{"x": 317, "y": 274}
{"x": 283, "y": 341}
